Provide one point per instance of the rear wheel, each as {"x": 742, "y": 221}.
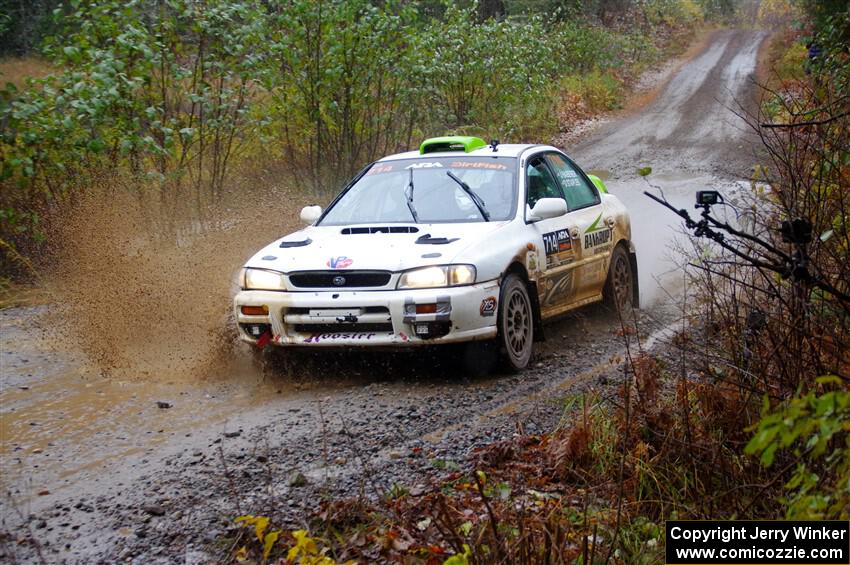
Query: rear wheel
{"x": 516, "y": 323}
{"x": 619, "y": 286}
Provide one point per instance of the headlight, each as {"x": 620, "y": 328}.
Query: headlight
{"x": 433, "y": 277}
{"x": 259, "y": 279}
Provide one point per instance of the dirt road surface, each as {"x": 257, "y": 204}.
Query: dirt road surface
{"x": 153, "y": 470}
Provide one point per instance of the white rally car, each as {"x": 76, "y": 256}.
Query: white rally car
{"x": 459, "y": 241}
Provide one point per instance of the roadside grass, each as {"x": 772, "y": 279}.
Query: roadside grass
{"x": 16, "y": 70}
{"x": 784, "y": 60}
{"x": 572, "y": 495}
{"x": 14, "y": 295}
{"x": 594, "y": 92}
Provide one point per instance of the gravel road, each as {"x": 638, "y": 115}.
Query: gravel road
{"x": 108, "y": 470}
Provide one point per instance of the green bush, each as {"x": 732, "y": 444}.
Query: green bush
{"x": 177, "y": 93}
{"x": 813, "y": 427}
{"x": 346, "y": 86}
{"x": 599, "y": 90}
{"x": 790, "y": 65}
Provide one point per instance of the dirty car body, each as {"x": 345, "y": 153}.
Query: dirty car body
{"x": 457, "y": 242}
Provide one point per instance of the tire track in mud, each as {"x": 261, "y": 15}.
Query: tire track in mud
{"x": 693, "y": 138}
{"x": 278, "y": 444}
{"x": 691, "y": 127}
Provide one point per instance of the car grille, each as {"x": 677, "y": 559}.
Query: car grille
{"x": 339, "y": 279}
{"x": 334, "y": 320}
{"x": 342, "y": 328}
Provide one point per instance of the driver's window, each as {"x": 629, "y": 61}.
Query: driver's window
{"x": 579, "y": 193}
{"x": 540, "y": 183}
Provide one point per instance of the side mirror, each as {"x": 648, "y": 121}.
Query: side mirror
{"x": 309, "y": 214}
{"x": 546, "y": 208}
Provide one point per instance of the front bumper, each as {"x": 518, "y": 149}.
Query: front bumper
{"x": 337, "y": 318}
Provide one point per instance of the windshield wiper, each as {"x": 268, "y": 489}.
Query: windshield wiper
{"x": 408, "y": 196}
{"x": 475, "y": 198}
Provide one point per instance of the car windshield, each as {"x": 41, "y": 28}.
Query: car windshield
{"x": 382, "y": 194}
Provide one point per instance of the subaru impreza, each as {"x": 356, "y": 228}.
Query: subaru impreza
{"x": 460, "y": 241}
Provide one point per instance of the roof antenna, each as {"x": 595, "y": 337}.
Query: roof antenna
{"x": 494, "y": 144}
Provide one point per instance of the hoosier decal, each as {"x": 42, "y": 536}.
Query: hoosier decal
{"x": 316, "y": 338}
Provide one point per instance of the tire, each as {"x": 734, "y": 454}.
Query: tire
{"x": 516, "y": 323}
{"x": 619, "y": 285}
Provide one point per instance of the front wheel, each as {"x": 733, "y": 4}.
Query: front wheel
{"x": 516, "y": 323}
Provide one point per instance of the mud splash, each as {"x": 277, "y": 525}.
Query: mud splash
{"x": 142, "y": 284}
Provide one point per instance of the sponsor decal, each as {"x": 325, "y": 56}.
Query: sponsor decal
{"x": 316, "y": 338}
{"x": 378, "y": 169}
{"x": 488, "y": 307}
{"x": 425, "y": 165}
{"x": 556, "y": 289}
{"x": 557, "y": 261}
{"x": 557, "y": 241}
{"x": 595, "y": 225}
{"x": 558, "y": 246}
{"x": 596, "y": 235}
{"x": 404, "y": 337}
{"x": 598, "y": 238}
{"x": 569, "y": 178}
{"x": 531, "y": 260}
{"x": 479, "y": 165}
{"x": 340, "y": 262}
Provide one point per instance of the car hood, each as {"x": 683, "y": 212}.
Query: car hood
{"x": 330, "y": 247}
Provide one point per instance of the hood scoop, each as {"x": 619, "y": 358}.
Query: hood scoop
{"x": 428, "y": 240}
{"x": 380, "y": 229}
{"x": 296, "y": 243}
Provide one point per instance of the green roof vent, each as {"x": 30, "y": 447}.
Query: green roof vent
{"x": 599, "y": 184}
{"x": 451, "y": 143}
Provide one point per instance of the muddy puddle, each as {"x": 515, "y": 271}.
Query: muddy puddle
{"x": 64, "y": 419}
{"x": 60, "y": 417}
{"x": 134, "y": 349}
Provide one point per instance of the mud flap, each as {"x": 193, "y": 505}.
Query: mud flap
{"x": 635, "y": 285}
{"x": 539, "y": 334}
